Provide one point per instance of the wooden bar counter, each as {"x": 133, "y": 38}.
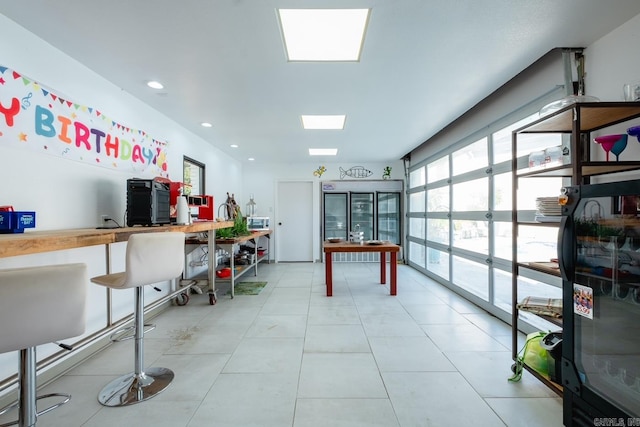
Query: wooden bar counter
{"x": 42, "y": 242}
{"x": 33, "y": 242}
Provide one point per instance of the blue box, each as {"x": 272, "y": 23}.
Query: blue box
{"x": 16, "y": 222}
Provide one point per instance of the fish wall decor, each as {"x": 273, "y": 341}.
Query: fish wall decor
{"x": 355, "y": 172}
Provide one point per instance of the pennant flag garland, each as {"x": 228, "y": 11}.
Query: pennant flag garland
{"x": 31, "y": 119}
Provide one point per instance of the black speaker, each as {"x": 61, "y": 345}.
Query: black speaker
{"x": 147, "y": 202}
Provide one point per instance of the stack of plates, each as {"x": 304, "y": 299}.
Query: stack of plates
{"x": 548, "y": 209}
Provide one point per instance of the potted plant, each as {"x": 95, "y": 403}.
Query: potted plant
{"x": 239, "y": 228}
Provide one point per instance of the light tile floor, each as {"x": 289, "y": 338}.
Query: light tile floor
{"x": 291, "y": 357}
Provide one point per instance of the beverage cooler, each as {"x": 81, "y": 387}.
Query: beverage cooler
{"x": 599, "y": 258}
{"x": 371, "y": 207}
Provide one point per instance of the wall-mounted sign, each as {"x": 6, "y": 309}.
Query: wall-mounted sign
{"x": 34, "y": 117}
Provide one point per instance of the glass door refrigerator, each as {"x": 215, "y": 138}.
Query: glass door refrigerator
{"x": 335, "y": 215}
{"x": 599, "y": 259}
{"x": 388, "y": 215}
{"x": 362, "y": 214}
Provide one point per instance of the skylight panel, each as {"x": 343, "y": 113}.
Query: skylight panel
{"x": 323, "y": 151}
{"x": 323, "y": 121}
{"x": 323, "y": 34}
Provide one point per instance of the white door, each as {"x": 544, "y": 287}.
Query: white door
{"x": 294, "y": 222}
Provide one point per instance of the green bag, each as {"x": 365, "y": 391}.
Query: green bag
{"x": 533, "y": 355}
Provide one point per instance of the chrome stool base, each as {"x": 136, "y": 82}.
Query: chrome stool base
{"x": 131, "y": 388}
{"x": 35, "y": 415}
{"x": 128, "y": 332}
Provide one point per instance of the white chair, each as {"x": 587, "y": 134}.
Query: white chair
{"x": 39, "y": 305}
{"x": 150, "y": 258}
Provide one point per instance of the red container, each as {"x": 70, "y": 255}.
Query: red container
{"x": 224, "y": 273}
{"x": 206, "y": 211}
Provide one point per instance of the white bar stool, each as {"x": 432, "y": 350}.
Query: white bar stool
{"x": 150, "y": 258}
{"x": 50, "y": 303}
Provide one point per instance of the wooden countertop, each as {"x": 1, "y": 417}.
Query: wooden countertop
{"x": 240, "y": 239}
{"x": 357, "y": 247}
{"x": 32, "y": 242}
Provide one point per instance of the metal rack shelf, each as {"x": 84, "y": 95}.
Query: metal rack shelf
{"x": 577, "y": 121}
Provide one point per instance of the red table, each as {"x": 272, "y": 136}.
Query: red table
{"x": 329, "y": 248}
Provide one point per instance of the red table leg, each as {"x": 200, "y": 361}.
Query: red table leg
{"x": 328, "y": 272}
{"x": 383, "y": 268}
{"x": 394, "y": 273}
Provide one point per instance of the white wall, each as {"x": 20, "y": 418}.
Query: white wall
{"x": 613, "y": 61}
{"x": 67, "y": 194}
{"x": 261, "y": 180}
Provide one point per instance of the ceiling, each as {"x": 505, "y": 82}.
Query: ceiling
{"x": 423, "y": 64}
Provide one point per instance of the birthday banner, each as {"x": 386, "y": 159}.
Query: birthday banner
{"x": 33, "y": 117}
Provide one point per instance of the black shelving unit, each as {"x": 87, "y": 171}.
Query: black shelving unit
{"x": 576, "y": 123}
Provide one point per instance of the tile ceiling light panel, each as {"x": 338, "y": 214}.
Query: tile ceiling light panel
{"x": 323, "y": 34}
{"x": 323, "y": 121}
{"x": 323, "y": 151}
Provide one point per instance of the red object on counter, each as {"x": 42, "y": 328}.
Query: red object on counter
{"x": 6, "y": 208}
{"x": 206, "y": 211}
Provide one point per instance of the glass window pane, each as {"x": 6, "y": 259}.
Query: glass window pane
{"x": 502, "y": 244}
{"x": 528, "y": 287}
{"x": 438, "y": 199}
{"x": 471, "y": 276}
{"x": 529, "y": 189}
{"x": 471, "y": 195}
{"x": 416, "y": 227}
{"x": 438, "y": 263}
{"x": 471, "y": 235}
{"x": 416, "y": 178}
{"x": 438, "y": 230}
{"x": 416, "y": 254}
{"x": 438, "y": 170}
{"x": 193, "y": 177}
{"x": 530, "y": 142}
{"x": 416, "y": 202}
{"x": 537, "y": 244}
{"x": 502, "y": 185}
{"x": 502, "y": 290}
{"x": 502, "y": 139}
{"x": 473, "y": 156}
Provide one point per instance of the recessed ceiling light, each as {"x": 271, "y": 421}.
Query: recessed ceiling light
{"x": 323, "y": 34}
{"x": 206, "y": 125}
{"x": 323, "y": 121}
{"x": 234, "y": 146}
{"x": 155, "y": 85}
{"x": 323, "y": 151}
{"x": 251, "y": 159}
